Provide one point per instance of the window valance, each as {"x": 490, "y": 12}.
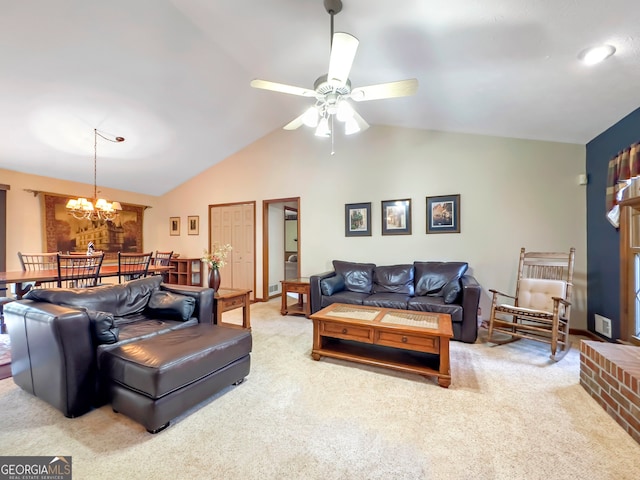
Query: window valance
{"x": 623, "y": 168}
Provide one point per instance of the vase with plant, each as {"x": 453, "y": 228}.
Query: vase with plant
{"x": 216, "y": 259}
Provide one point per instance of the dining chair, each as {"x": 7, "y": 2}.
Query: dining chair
{"x": 133, "y": 265}
{"x": 78, "y": 271}
{"x": 163, "y": 258}
{"x": 39, "y": 261}
{"x": 541, "y": 307}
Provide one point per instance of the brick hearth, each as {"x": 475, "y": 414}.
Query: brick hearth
{"x": 610, "y": 373}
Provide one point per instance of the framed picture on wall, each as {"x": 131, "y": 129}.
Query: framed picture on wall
{"x": 65, "y": 233}
{"x": 396, "y": 217}
{"x": 174, "y": 225}
{"x": 443, "y": 214}
{"x": 357, "y": 220}
{"x": 194, "y": 225}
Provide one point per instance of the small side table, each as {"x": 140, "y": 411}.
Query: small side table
{"x": 302, "y": 287}
{"x": 227, "y": 299}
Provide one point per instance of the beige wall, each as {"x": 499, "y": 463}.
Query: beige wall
{"x": 514, "y": 193}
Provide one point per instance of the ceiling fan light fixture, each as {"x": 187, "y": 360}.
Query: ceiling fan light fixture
{"x": 345, "y": 111}
{"x": 351, "y": 126}
{"x": 597, "y": 54}
{"x": 311, "y": 117}
{"x": 323, "y": 128}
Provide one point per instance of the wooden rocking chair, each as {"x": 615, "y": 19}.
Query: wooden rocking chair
{"x": 541, "y": 307}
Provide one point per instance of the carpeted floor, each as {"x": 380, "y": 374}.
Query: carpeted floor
{"x": 510, "y": 413}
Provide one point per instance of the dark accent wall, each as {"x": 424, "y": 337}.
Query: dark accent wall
{"x": 603, "y": 241}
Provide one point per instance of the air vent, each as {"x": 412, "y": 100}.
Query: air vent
{"x": 603, "y": 325}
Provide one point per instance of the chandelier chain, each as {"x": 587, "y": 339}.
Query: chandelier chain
{"x": 95, "y": 164}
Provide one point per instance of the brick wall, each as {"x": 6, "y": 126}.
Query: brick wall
{"x": 610, "y": 373}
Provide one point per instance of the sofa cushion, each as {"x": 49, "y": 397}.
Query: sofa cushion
{"x": 431, "y": 277}
{"x": 387, "y": 300}
{"x": 393, "y": 279}
{"x": 121, "y": 300}
{"x": 331, "y": 285}
{"x": 103, "y": 327}
{"x": 140, "y": 326}
{"x": 165, "y": 304}
{"x": 358, "y": 277}
{"x": 345, "y": 296}
{"x": 451, "y": 291}
{"x": 436, "y": 305}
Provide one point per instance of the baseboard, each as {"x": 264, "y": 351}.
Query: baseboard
{"x": 586, "y": 333}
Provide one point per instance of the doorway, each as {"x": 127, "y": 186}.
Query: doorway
{"x": 278, "y": 215}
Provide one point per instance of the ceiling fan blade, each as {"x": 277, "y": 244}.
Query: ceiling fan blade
{"x": 380, "y": 91}
{"x": 282, "y": 88}
{"x": 343, "y": 51}
{"x": 295, "y": 123}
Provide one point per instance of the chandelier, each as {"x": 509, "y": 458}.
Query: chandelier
{"x": 82, "y": 208}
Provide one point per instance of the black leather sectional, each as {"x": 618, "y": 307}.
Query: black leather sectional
{"x": 148, "y": 348}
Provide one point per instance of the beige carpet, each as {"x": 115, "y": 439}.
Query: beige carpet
{"x": 509, "y": 414}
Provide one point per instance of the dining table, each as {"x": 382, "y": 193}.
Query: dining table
{"x": 22, "y": 277}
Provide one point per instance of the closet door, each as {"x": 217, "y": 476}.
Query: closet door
{"x": 235, "y": 224}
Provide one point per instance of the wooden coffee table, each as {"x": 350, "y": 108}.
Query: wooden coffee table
{"x": 408, "y": 341}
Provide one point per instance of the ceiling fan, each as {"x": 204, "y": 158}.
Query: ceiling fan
{"x": 333, "y": 91}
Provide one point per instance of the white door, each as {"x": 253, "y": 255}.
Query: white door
{"x": 235, "y": 225}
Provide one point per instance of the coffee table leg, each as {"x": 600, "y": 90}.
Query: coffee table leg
{"x": 317, "y": 340}
{"x": 444, "y": 377}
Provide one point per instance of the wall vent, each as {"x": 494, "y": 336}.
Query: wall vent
{"x": 603, "y": 325}
{"x": 273, "y": 288}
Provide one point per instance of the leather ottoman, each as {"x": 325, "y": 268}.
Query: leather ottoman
{"x": 159, "y": 378}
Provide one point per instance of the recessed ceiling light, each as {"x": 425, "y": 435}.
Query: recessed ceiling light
{"x": 593, "y": 55}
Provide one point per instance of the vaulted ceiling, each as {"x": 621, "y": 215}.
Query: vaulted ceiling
{"x": 172, "y": 76}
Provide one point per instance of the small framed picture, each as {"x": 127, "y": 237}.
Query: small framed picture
{"x": 396, "y": 217}
{"x": 174, "y": 225}
{"x": 357, "y": 220}
{"x": 443, "y": 214}
{"x": 194, "y": 225}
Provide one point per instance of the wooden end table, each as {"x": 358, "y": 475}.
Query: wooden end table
{"x": 226, "y": 299}
{"x": 302, "y": 287}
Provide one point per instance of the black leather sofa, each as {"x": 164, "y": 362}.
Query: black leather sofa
{"x": 440, "y": 287}
{"x": 149, "y": 348}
